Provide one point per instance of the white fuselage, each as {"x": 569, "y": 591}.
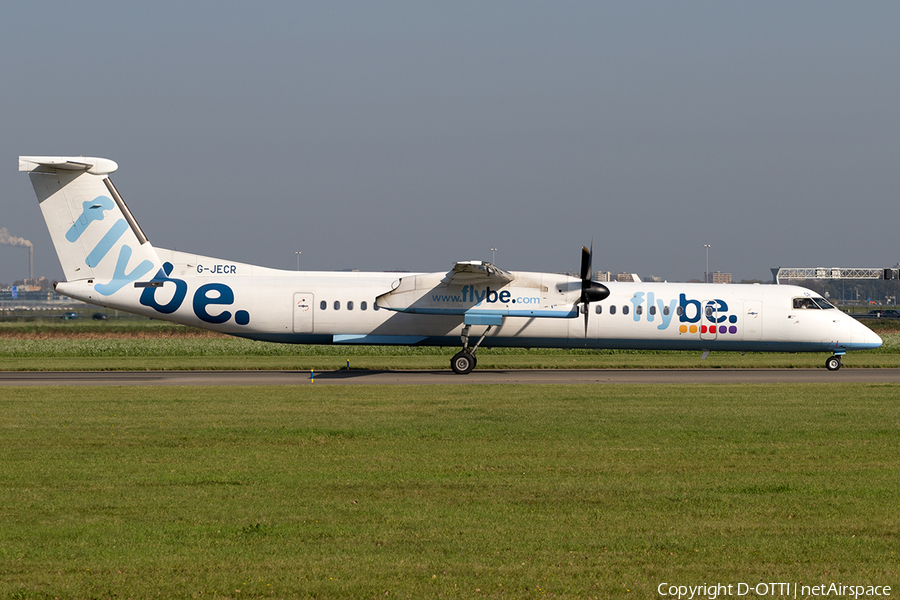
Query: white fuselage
{"x": 340, "y": 308}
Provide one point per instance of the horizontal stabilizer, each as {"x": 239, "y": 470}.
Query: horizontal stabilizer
{"x": 48, "y": 164}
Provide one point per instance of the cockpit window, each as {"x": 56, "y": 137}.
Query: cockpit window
{"x": 800, "y": 303}
{"x": 812, "y": 303}
{"x": 823, "y": 303}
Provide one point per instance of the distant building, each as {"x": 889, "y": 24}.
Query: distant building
{"x": 595, "y": 275}
{"x": 34, "y": 285}
{"x": 718, "y": 277}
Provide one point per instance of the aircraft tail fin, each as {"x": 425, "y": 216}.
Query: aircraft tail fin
{"x": 94, "y": 233}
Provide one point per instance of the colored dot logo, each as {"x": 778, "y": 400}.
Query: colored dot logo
{"x": 712, "y": 329}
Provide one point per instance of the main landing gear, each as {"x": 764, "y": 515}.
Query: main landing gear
{"x": 833, "y": 363}
{"x": 464, "y": 361}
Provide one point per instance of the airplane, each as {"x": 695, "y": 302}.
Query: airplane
{"x": 108, "y": 261}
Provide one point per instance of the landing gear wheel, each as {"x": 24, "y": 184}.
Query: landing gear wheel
{"x": 833, "y": 363}
{"x": 462, "y": 363}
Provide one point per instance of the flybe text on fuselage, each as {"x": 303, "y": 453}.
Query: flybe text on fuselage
{"x": 705, "y": 316}
{"x": 209, "y": 294}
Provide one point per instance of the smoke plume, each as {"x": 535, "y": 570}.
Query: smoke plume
{"x": 11, "y": 240}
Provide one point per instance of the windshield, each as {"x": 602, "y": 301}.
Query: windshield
{"x": 812, "y": 303}
{"x": 823, "y": 303}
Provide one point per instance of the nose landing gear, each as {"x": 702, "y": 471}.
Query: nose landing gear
{"x": 833, "y": 363}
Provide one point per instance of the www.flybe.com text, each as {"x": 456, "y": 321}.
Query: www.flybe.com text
{"x": 470, "y": 294}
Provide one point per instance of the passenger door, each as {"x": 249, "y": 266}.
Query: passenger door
{"x": 304, "y": 304}
{"x": 752, "y": 321}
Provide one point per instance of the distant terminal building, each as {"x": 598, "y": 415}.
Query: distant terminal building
{"x": 782, "y": 273}
{"x": 845, "y": 285}
{"x": 603, "y": 276}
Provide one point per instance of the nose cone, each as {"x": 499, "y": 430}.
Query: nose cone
{"x": 864, "y": 338}
{"x": 873, "y": 340}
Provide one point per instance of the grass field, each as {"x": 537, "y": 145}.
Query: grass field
{"x": 444, "y": 492}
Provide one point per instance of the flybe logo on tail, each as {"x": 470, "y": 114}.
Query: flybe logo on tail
{"x": 92, "y": 211}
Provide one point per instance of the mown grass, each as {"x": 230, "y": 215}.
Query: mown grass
{"x": 444, "y": 491}
{"x": 11, "y": 326}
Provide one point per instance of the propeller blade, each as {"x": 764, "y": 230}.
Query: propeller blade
{"x": 585, "y": 262}
{"x": 591, "y": 291}
{"x": 584, "y": 307}
{"x": 590, "y": 272}
{"x": 584, "y": 300}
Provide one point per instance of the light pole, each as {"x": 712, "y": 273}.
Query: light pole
{"x": 298, "y": 259}
{"x": 493, "y": 255}
{"x": 706, "y": 275}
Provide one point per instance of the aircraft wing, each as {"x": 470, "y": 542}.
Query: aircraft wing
{"x": 473, "y": 272}
{"x": 478, "y": 291}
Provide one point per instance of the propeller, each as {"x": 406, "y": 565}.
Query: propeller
{"x": 591, "y": 291}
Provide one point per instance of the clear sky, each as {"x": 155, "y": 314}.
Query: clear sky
{"x": 411, "y": 135}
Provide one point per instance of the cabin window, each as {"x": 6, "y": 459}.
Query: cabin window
{"x": 709, "y": 311}
{"x": 625, "y": 310}
{"x": 598, "y": 309}
{"x": 612, "y": 309}
{"x": 666, "y": 310}
{"x": 652, "y": 310}
{"x": 363, "y": 305}
{"x": 639, "y": 309}
{"x": 323, "y": 305}
{"x": 337, "y": 305}
{"x": 350, "y": 305}
{"x": 376, "y": 307}
{"x": 679, "y": 311}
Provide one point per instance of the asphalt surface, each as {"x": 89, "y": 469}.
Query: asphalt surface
{"x": 479, "y": 376}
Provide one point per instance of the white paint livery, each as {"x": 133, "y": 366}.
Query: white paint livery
{"x": 108, "y": 261}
